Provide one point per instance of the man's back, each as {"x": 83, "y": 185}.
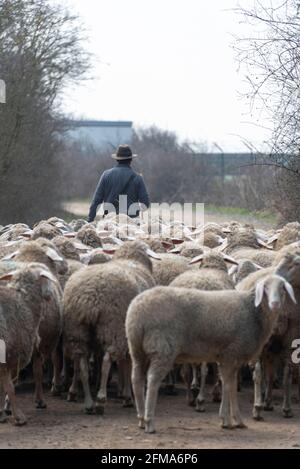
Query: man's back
{"x": 120, "y": 180}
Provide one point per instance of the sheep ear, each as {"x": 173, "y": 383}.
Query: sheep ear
{"x": 52, "y": 254}
{"x": 177, "y": 240}
{"x": 109, "y": 250}
{"x": 81, "y": 247}
{"x": 166, "y": 244}
{"x": 229, "y": 259}
{"x": 70, "y": 235}
{"x": 48, "y": 275}
{"x": 197, "y": 259}
{"x": 232, "y": 269}
{"x": 259, "y": 292}
{"x": 273, "y": 239}
{"x": 27, "y": 234}
{"x": 153, "y": 254}
{"x": 262, "y": 243}
{"x": 8, "y": 276}
{"x": 10, "y": 256}
{"x": 175, "y": 250}
{"x": 290, "y": 291}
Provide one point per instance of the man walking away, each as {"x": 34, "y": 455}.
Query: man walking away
{"x": 121, "y": 180}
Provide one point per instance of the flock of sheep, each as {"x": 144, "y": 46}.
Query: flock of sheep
{"x": 147, "y": 297}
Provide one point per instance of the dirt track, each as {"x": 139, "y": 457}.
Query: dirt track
{"x": 64, "y": 425}
{"x": 81, "y": 209}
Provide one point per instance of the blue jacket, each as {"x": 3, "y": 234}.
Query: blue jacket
{"x": 112, "y": 182}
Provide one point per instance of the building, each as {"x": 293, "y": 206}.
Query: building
{"x": 102, "y": 135}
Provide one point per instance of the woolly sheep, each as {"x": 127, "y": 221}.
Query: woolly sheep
{"x": 77, "y": 224}
{"x": 169, "y": 267}
{"x": 243, "y": 268}
{"x": 288, "y": 329}
{"x": 40, "y": 251}
{"x": 95, "y": 304}
{"x": 43, "y": 252}
{"x": 289, "y": 234}
{"x": 89, "y": 236}
{"x": 166, "y": 325}
{"x": 188, "y": 249}
{"x": 211, "y": 276}
{"x": 244, "y": 244}
{"x": 20, "y": 315}
{"x": 45, "y": 230}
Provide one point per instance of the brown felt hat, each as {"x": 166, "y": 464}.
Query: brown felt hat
{"x": 124, "y": 152}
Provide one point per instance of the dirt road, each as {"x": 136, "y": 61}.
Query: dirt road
{"x": 81, "y": 209}
{"x": 64, "y": 425}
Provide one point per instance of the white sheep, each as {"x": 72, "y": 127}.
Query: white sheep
{"x": 166, "y": 325}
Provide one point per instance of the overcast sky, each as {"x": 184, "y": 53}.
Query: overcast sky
{"x": 168, "y": 63}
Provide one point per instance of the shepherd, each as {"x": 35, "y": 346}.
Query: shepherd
{"x": 121, "y": 189}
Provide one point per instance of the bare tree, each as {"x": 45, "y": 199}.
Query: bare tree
{"x": 41, "y": 52}
{"x": 271, "y": 55}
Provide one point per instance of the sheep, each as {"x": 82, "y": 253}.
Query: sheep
{"x": 51, "y": 324}
{"x": 188, "y": 249}
{"x": 20, "y": 316}
{"x": 43, "y": 251}
{"x": 96, "y": 256}
{"x": 66, "y": 247}
{"x": 16, "y": 232}
{"x": 95, "y": 304}
{"x": 290, "y": 233}
{"x": 75, "y": 225}
{"x": 169, "y": 267}
{"x": 167, "y": 324}
{"x": 292, "y": 248}
{"x": 45, "y": 230}
{"x": 9, "y": 248}
{"x": 245, "y": 244}
{"x": 242, "y": 269}
{"x": 288, "y": 328}
{"x": 212, "y": 240}
{"x": 212, "y": 275}
{"x": 89, "y": 236}
{"x": 156, "y": 244}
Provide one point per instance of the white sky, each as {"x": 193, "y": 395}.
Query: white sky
{"x": 168, "y": 63}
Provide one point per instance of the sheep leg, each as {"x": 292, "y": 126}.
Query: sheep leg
{"x": 258, "y": 401}
{"x": 121, "y": 379}
{"x": 138, "y": 378}
{"x": 269, "y": 372}
{"x": 200, "y": 398}
{"x": 102, "y": 393}
{"x": 170, "y": 384}
{"x": 84, "y": 375}
{"x": 234, "y": 406}
{"x": 3, "y": 416}
{"x": 7, "y": 406}
{"x": 126, "y": 366}
{"x": 217, "y": 388}
{"x": 287, "y": 386}
{"x": 186, "y": 376}
{"x": 156, "y": 373}
{"x": 195, "y": 383}
{"x": 224, "y": 413}
{"x": 56, "y": 382}
{"x": 37, "y": 367}
{"x": 72, "y": 394}
{"x": 19, "y": 417}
